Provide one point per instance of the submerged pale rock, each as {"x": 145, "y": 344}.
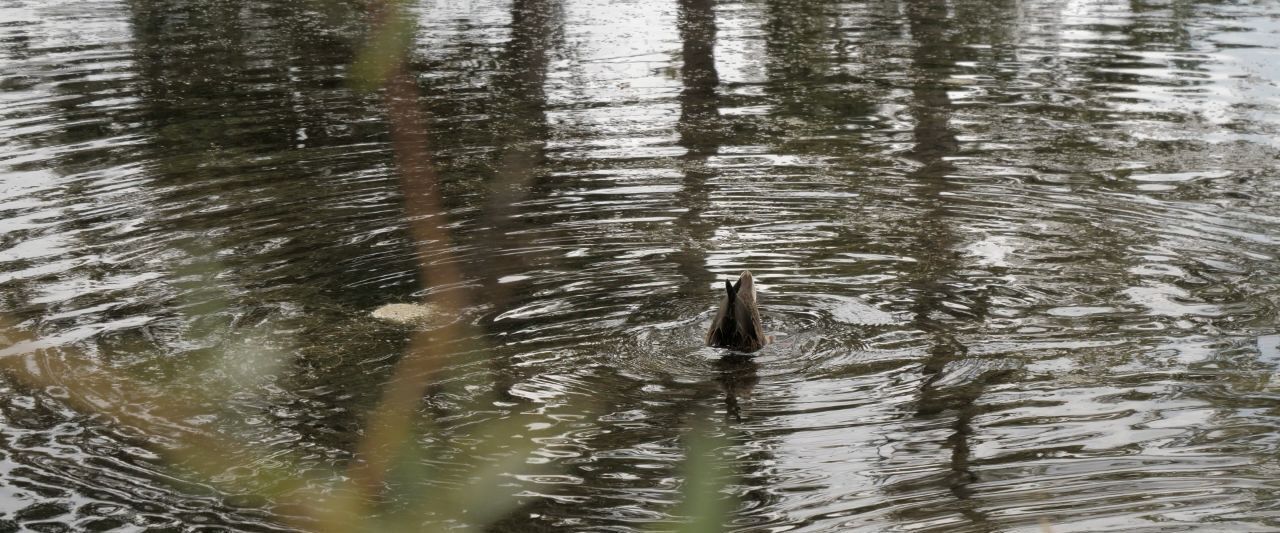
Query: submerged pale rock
{"x": 415, "y": 314}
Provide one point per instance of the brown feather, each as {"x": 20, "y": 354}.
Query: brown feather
{"x": 737, "y": 324}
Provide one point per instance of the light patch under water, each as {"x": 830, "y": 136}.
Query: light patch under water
{"x": 409, "y": 314}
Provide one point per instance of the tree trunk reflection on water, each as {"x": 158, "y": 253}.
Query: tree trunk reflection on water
{"x": 699, "y": 133}
{"x": 939, "y": 294}
{"x": 520, "y": 132}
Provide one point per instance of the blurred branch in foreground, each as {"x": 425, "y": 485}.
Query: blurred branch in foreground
{"x": 703, "y": 505}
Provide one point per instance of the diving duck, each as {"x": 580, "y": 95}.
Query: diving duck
{"x": 737, "y": 324}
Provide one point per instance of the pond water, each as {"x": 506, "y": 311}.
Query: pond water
{"x": 1019, "y": 256}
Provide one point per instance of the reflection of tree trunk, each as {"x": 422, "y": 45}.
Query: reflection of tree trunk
{"x": 520, "y": 118}
{"x": 520, "y": 104}
{"x": 699, "y": 135}
{"x": 935, "y": 141}
{"x": 800, "y": 66}
{"x": 698, "y": 103}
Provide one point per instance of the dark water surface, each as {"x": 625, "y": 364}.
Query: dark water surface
{"x": 1020, "y": 258}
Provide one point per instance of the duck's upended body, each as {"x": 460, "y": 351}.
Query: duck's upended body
{"x": 737, "y": 324}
